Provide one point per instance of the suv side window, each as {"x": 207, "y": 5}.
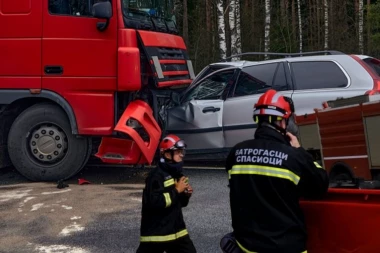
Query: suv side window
{"x": 259, "y": 78}
{"x": 72, "y": 7}
{"x": 211, "y": 87}
{"x": 318, "y": 75}
{"x": 280, "y": 82}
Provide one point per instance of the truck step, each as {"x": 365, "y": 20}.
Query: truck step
{"x": 118, "y": 151}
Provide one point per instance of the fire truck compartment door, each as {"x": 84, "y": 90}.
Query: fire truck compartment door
{"x": 346, "y": 220}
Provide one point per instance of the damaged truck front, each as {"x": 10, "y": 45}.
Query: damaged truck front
{"x": 77, "y": 71}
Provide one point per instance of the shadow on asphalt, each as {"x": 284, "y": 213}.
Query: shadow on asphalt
{"x": 98, "y": 174}
{"x": 94, "y": 174}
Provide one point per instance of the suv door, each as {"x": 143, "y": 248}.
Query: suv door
{"x": 253, "y": 81}
{"x": 318, "y": 81}
{"x": 198, "y": 120}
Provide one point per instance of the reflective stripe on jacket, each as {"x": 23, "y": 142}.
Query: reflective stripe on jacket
{"x": 266, "y": 177}
{"x": 161, "y": 216}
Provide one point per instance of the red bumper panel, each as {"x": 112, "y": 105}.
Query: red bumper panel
{"x": 156, "y": 39}
{"x": 118, "y": 151}
{"x": 135, "y": 151}
{"x": 348, "y": 220}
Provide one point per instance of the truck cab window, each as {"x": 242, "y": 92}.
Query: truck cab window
{"x": 71, "y": 7}
{"x": 156, "y": 15}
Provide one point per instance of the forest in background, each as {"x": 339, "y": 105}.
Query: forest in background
{"x": 215, "y": 29}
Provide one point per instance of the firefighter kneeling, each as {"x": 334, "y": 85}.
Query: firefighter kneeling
{"x": 166, "y": 191}
{"x": 267, "y": 175}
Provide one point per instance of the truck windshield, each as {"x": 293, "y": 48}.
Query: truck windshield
{"x": 158, "y": 15}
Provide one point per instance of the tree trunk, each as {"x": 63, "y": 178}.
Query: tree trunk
{"x": 232, "y": 22}
{"x": 253, "y": 19}
{"x": 326, "y": 17}
{"x": 361, "y": 44}
{"x": 299, "y": 24}
{"x": 311, "y": 25}
{"x": 282, "y": 7}
{"x": 368, "y": 28}
{"x": 286, "y": 2}
{"x": 356, "y": 2}
{"x": 208, "y": 30}
{"x": 294, "y": 29}
{"x": 185, "y": 24}
{"x": 238, "y": 28}
{"x": 318, "y": 23}
{"x": 227, "y": 27}
{"x": 208, "y": 16}
{"x": 221, "y": 30}
{"x": 331, "y": 24}
{"x": 267, "y": 27}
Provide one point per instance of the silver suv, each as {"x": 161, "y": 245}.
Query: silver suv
{"x": 215, "y": 112}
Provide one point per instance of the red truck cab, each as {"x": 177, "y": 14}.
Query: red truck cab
{"x": 72, "y": 71}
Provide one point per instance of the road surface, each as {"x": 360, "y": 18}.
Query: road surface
{"x": 103, "y": 216}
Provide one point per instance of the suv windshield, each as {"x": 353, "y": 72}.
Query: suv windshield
{"x": 158, "y": 15}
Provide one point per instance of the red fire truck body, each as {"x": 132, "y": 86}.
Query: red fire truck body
{"x": 345, "y": 137}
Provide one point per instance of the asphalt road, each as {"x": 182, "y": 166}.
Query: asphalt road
{"x": 103, "y": 216}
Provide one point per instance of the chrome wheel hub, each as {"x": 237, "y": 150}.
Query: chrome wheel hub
{"x": 48, "y": 144}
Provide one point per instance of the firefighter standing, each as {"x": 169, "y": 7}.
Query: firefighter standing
{"x": 267, "y": 175}
{"x": 166, "y": 191}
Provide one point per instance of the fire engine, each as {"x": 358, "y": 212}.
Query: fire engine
{"x": 344, "y": 136}
{"x": 75, "y": 71}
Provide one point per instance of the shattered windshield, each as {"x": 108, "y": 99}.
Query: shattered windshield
{"x": 211, "y": 87}
{"x": 157, "y": 15}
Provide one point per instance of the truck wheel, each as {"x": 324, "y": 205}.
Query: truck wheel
{"x": 342, "y": 177}
{"x": 340, "y": 173}
{"x": 42, "y": 147}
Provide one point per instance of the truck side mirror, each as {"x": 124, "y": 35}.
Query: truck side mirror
{"x": 102, "y": 10}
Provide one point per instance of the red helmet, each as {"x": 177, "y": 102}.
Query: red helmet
{"x": 172, "y": 142}
{"x": 272, "y": 103}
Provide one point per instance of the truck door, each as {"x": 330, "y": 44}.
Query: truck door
{"x": 79, "y": 61}
{"x": 20, "y": 44}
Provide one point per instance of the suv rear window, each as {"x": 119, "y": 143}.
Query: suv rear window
{"x": 318, "y": 75}
{"x": 374, "y": 64}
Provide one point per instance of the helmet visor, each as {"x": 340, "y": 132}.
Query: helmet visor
{"x": 180, "y": 144}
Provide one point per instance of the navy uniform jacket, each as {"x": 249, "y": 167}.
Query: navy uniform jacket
{"x": 267, "y": 176}
{"x": 162, "y": 218}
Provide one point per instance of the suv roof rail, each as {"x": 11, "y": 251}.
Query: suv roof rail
{"x": 286, "y": 55}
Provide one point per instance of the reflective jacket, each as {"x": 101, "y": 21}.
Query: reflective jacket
{"x": 267, "y": 176}
{"x": 162, "y": 218}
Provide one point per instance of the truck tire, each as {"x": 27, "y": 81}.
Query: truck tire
{"x": 340, "y": 173}
{"x": 42, "y": 147}
{"x": 342, "y": 177}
